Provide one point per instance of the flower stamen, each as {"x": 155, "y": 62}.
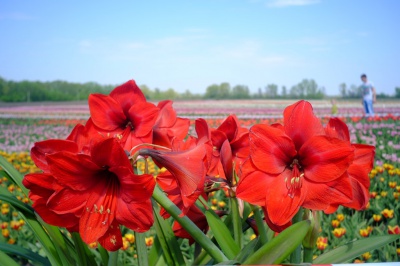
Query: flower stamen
{"x": 296, "y": 182}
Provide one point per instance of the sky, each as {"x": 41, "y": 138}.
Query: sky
{"x": 189, "y": 45}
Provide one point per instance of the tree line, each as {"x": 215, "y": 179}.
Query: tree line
{"x": 36, "y": 91}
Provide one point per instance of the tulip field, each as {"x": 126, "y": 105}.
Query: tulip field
{"x": 23, "y": 125}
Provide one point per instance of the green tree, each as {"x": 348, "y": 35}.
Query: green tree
{"x": 397, "y": 89}
{"x": 240, "y": 92}
{"x": 343, "y": 89}
{"x": 271, "y": 91}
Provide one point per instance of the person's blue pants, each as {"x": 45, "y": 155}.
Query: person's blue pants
{"x": 369, "y": 109}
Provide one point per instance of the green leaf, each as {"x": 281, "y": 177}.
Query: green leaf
{"x": 5, "y": 195}
{"x": 222, "y": 235}
{"x": 63, "y": 245}
{"x": 155, "y": 252}
{"x": 85, "y": 256}
{"x": 189, "y": 226}
{"x": 279, "y": 248}
{"x": 168, "y": 242}
{"x": 27, "y": 254}
{"x": 43, "y": 238}
{"x": 141, "y": 249}
{"x": 249, "y": 249}
{"x": 7, "y": 260}
{"x": 103, "y": 254}
{"x": 353, "y": 249}
{"x": 14, "y": 175}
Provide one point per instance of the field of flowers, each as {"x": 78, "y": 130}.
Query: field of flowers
{"x": 22, "y": 126}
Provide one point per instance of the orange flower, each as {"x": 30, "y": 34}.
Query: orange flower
{"x": 130, "y": 238}
{"x": 366, "y": 256}
{"x": 387, "y": 213}
{"x": 394, "y": 230}
{"x": 377, "y": 217}
{"x": 15, "y": 225}
{"x": 335, "y": 223}
{"x": 340, "y": 217}
{"x": 322, "y": 243}
{"x": 392, "y": 184}
{"x": 5, "y": 233}
{"x": 93, "y": 245}
{"x": 339, "y": 232}
{"x": 4, "y": 225}
{"x": 396, "y": 195}
{"x": 364, "y": 232}
{"x": 373, "y": 194}
{"x": 383, "y": 194}
{"x": 125, "y": 243}
{"x": 149, "y": 241}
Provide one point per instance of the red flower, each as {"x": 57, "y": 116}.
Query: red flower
{"x": 231, "y": 141}
{"x": 41, "y": 187}
{"x": 125, "y": 113}
{"x": 168, "y": 126}
{"x": 295, "y": 165}
{"x": 186, "y": 172}
{"x": 360, "y": 168}
{"x": 100, "y": 189}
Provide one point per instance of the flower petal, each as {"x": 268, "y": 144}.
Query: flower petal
{"x": 134, "y": 187}
{"x": 230, "y": 127}
{"x": 137, "y": 216}
{"x": 186, "y": 166}
{"x": 338, "y": 129}
{"x": 321, "y": 195}
{"x": 76, "y": 171}
{"x": 42, "y": 148}
{"x": 106, "y": 113}
{"x": 99, "y": 211}
{"x": 271, "y": 150}
{"x": 67, "y": 201}
{"x": 127, "y": 95}
{"x": 109, "y": 153}
{"x": 300, "y": 123}
{"x": 253, "y": 184}
{"x": 279, "y": 205}
{"x": 67, "y": 220}
{"x": 112, "y": 239}
{"x": 325, "y": 159}
{"x": 143, "y": 116}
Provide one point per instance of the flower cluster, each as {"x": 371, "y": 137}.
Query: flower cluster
{"x": 90, "y": 183}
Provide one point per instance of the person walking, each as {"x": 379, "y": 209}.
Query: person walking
{"x": 369, "y": 95}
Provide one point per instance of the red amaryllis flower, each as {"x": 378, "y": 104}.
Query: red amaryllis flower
{"x": 100, "y": 189}
{"x": 295, "y": 165}
{"x": 186, "y": 172}
{"x": 41, "y": 187}
{"x": 168, "y": 126}
{"x": 236, "y": 147}
{"x": 358, "y": 171}
{"x": 124, "y": 113}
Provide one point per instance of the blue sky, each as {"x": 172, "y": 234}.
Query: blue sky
{"x": 193, "y": 44}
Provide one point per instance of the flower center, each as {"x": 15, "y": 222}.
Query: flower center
{"x": 296, "y": 182}
{"x": 129, "y": 124}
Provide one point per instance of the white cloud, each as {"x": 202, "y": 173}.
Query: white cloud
{"x": 287, "y": 3}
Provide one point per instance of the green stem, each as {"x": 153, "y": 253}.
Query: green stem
{"x": 141, "y": 249}
{"x": 113, "y": 258}
{"x": 295, "y": 257}
{"x": 308, "y": 255}
{"x": 262, "y": 232}
{"x": 189, "y": 226}
{"x": 237, "y": 222}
